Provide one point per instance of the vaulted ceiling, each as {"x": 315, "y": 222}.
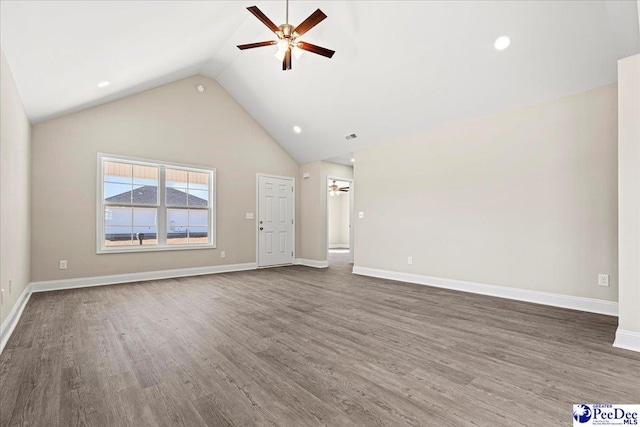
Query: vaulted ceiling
{"x": 401, "y": 67}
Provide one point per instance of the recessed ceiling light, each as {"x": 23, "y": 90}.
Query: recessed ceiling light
{"x": 297, "y": 129}
{"x": 104, "y": 84}
{"x": 353, "y": 160}
{"x": 502, "y": 43}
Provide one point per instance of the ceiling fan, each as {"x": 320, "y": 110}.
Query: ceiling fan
{"x": 288, "y": 42}
{"x": 334, "y": 189}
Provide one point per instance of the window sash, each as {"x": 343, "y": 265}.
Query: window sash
{"x": 161, "y": 206}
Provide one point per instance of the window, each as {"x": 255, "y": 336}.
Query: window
{"x": 147, "y": 206}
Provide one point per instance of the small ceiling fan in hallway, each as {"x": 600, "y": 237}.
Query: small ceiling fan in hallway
{"x": 334, "y": 189}
{"x": 288, "y": 43}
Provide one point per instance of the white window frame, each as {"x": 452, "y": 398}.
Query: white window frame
{"x": 161, "y": 227}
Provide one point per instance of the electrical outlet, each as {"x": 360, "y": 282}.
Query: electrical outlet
{"x": 603, "y": 280}
{"x": 361, "y": 215}
{"x": 410, "y": 260}
{"x": 223, "y": 254}
{"x": 63, "y": 264}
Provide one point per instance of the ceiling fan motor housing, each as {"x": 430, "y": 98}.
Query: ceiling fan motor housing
{"x": 286, "y": 30}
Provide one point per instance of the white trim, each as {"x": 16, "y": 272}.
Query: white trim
{"x": 628, "y": 340}
{"x": 293, "y": 216}
{"x": 591, "y": 305}
{"x": 339, "y": 246}
{"x": 311, "y": 263}
{"x": 9, "y": 324}
{"x": 83, "y": 282}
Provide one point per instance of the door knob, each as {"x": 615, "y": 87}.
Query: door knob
{"x": 261, "y": 228}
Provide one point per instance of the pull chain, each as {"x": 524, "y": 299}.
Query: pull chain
{"x": 287, "y": 11}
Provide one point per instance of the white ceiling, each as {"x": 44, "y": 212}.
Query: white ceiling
{"x": 401, "y": 67}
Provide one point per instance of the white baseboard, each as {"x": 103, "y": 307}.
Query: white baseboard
{"x": 311, "y": 263}
{"x": 9, "y": 324}
{"x": 628, "y": 340}
{"x": 54, "y": 285}
{"x": 339, "y": 246}
{"x": 557, "y": 300}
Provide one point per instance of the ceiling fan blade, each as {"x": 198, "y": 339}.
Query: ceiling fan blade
{"x": 316, "y": 49}
{"x": 259, "y": 44}
{"x": 263, "y": 18}
{"x": 314, "y": 19}
{"x": 286, "y": 62}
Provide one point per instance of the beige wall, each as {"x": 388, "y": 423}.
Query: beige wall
{"x": 15, "y": 163}
{"x": 172, "y": 123}
{"x": 313, "y": 206}
{"x": 629, "y": 192}
{"x": 524, "y": 199}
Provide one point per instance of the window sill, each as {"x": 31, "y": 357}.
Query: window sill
{"x": 133, "y": 249}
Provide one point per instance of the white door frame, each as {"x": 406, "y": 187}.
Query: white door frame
{"x": 351, "y": 217}
{"x": 256, "y": 217}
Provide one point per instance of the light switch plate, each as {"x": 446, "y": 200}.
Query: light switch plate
{"x": 360, "y": 215}
{"x": 248, "y": 215}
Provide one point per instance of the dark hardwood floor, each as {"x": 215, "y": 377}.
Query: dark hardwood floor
{"x": 298, "y": 346}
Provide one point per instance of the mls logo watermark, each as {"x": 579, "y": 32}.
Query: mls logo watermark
{"x": 605, "y": 415}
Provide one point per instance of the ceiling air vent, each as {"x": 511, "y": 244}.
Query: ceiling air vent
{"x": 352, "y": 136}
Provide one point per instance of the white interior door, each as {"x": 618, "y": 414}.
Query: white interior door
{"x": 275, "y": 221}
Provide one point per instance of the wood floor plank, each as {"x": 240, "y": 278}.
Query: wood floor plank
{"x": 297, "y": 346}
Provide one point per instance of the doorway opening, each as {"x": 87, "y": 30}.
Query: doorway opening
{"x": 339, "y": 221}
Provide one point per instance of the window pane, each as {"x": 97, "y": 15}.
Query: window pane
{"x": 117, "y": 226}
{"x": 118, "y": 236}
{"x": 198, "y": 198}
{"x": 145, "y": 195}
{"x": 198, "y": 180}
{"x": 147, "y": 236}
{"x": 177, "y": 178}
{"x": 198, "y": 217}
{"x": 117, "y": 193}
{"x": 145, "y": 185}
{"x": 117, "y": 172}
{"x": 176, "y": 196}
{"x": 145, "y": 175}
{"x": 144, "y": 226}
{"x": 198, "y": 234}
{"x": 177, "y": 224}
{"x": 177, "y": 218}
{"x": 145, "y": 217}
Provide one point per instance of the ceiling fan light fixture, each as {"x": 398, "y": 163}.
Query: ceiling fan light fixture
{"x": 288, "y": 45}
{"x": 283, "y": 45}
{"x": 297, "y": 52}
{"x": 280, "y": 55}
